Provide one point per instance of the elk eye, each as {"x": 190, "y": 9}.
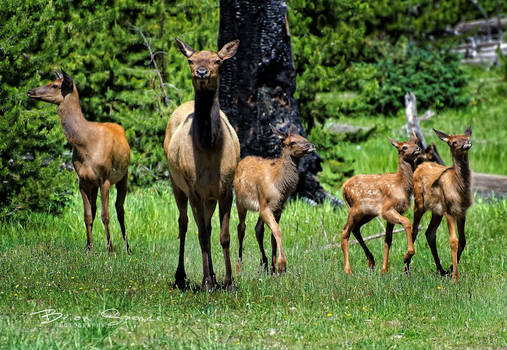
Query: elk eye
{"x": 454, "y": 143}
{"x": 404, "y": 148}
{"x": 189, "y": 61}
{"x": 292, "y": 143}
{"x": 218, "y": 61}
{"x": 55, "y": 86}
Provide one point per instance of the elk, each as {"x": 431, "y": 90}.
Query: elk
{"x": 384, "y": 195}
{"x": 445, "y": 191}
{"x": 100, "y": 154}
{"x": 202, "y": 151}
{"x": 264, "y": 185}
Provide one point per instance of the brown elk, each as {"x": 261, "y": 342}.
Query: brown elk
{"x": 384, "y": 195}
{"x": 202, "y": 152}
{"x": 264, "y": 185}
{"x": 100, "y": 154}
{"x": 445, "y": 191}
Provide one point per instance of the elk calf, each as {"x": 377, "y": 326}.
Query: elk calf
{"x": 100, "y": 154}
{"x": 264, "y": 185}
{"x": 202, "y": 151}
{"x": 445, "y": 191}
{"x": 384, "y": 195}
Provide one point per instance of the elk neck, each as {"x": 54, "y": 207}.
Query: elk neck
{"x": 75, "y": 126}
{"x": 288, "y": 174}
{"x": 206, "y": 122}
{"x": 462, "y": 172}
{"x": 406, "y": 174}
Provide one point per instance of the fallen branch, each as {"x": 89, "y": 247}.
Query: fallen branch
{"x": 324, "y": 231}
{"x": 352, "y": 242}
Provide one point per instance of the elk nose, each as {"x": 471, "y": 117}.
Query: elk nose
{"x": 201, "y": 72}
{"x": 29, "y": 93}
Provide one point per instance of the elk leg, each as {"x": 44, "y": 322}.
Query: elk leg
{"x": 415, "y": 230}
{"x": 461, "y": 237}
{"x": 273, "y": 254}
{"x": 453, "y": 241}
{"x": 357, "y": 233}
{"x": 104, "y": 197}
{"x": 387, "y": 245}
{"x": 259, "y": 234}
{"x": 241, "y": 234}
{"x": 431, "y": 238}
{"x": 393, "y": 217}
{"x": 202, "y": 215}
{"x": 224, "y": 207}
{"x": 349, "y": 226}
{"x": 181, "y": 202}
{"x": 121, "y": 192}
{"x": 269, "y": 219}
{"x": 89, "y": 196}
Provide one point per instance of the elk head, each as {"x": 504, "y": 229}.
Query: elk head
{"x": 459, "y": 144}
{"x": 293, "y": 142}
{"x": 408, "y": 150}
{"x": 204, "y": 64}
{"x": 55, "y": 91}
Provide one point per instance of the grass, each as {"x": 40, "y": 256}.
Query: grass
{"x": 54, "y": 294}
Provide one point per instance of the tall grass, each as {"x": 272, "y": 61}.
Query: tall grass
{"x": 53, "y": 293}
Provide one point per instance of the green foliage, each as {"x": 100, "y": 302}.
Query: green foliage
{"x": 32, "y": 142}
{"x": 435, "y": 77}
{"x": 335, "y": 168}
{"x": 326, "y": 38}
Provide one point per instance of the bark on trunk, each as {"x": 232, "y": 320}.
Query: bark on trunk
{"x": 257, "y": 85}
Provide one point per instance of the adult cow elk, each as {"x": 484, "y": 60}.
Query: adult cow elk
{"x": 384, "y": 195}
{"x": 100, "y": 154}
{"x": 202, "y": 152}
{"x": 445, "y": 191}
{"x": 264, "y": 185}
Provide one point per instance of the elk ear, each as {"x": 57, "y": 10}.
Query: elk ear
{"x": 394, "y": 143}
{"x": 185, "y": 49}
{"x": 58, "y": 75}
{"x": 468, "y": 131}
{"x": 67, "y": 84}
{"x": 442, "y": 135}
{"x": 277, "y": 133}
{"x": 229, "y": 50}
{"x": 293, "y": 130}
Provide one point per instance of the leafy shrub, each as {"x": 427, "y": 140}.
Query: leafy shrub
{"x": 335, "y": 168}
{"x": 434, "y": 76}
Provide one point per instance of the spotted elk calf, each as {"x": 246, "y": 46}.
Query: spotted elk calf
{"x": 384, "y": 195}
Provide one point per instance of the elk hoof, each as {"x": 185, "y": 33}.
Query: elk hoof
{"x": 208, "y": 285}
{"x": 282, "y": 266}
{"x": 348, "y": 271}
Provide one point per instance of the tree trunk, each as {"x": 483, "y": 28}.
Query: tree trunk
{"x": 257, "y": 85}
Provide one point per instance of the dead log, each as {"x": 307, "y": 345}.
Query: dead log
{"x": 414, "y": 127}
{"x": 486, "y": 184}
{"x": 471, "y": 26}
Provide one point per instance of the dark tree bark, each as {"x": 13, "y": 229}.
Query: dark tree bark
{"x": 257, "y": 85}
